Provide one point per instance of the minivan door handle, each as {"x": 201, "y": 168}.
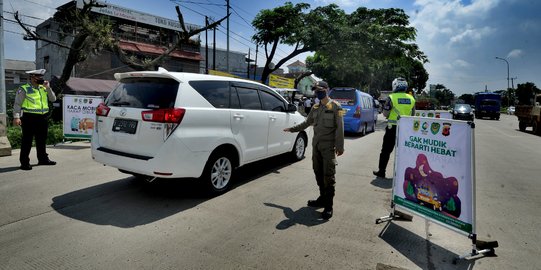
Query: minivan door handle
{"x": 238, "y": 116}
{"x": 272, "y": 117}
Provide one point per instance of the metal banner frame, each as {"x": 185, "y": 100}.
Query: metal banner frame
{"x": 400, "y": 212}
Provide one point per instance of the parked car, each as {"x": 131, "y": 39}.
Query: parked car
{"x": 184, "y": 125}
{"x": 511, "y": 110}
{"x": 360, "y": 114}
{"x": 463, "y": 112}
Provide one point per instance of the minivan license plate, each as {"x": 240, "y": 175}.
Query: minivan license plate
{"x": 125, "y": 126}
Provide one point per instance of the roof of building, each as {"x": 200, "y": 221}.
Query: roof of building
{"x": 84, "y": 86}
{"x": 297, "y": 64}
{"x": 153, "y": 49}
{"x": 19, "y": 65}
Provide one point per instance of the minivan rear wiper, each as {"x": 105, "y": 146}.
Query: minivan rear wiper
{"x": 120, "y": 103}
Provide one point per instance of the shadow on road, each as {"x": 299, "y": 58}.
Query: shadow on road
{"x": 386, "y": 183}
{"x": 423, "y": 253}
{"x": 306, "y": 216}
{"x": 129, "y": 202}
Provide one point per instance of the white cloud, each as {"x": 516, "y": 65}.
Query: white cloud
{"x": 515, "y": 53}
{"x": 472, "y": 35}
{"x": 462, "y": 63}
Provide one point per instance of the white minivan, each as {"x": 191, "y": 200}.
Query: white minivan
{"x": 185, "y": 125}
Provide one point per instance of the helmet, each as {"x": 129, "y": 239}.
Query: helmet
{"x": 400, "y": 85}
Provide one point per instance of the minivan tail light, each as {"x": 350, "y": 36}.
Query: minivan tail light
{"x": 357, "y": 113}
{"x": 102, "y": 110}
{"x": 171, "y": 115}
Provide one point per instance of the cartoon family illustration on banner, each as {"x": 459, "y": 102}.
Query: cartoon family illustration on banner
{"x": 434, "y": 170}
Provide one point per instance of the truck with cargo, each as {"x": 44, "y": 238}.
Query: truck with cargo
{"x": 529, "y": 115}
{"x": 487, "y": 104}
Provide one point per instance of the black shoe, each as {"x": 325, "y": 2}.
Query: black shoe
{"x": 47, "y": 162}
{"x": 316, "y": 203}
{"x": 26, "y": 167}
{"x": 379, "y": 174}
{"x": 327, "y": 213}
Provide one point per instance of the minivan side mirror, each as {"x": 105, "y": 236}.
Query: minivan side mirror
{"x": 291, "y": 107}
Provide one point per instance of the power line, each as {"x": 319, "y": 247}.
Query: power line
{"x": 38, "y": 4}
{"x": 13, "y": 32}
{"x": 32, "y": 17}
{"x": 199, "y": 3}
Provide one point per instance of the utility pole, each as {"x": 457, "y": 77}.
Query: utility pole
{"x": 2, "y": 72}
{"x": 206, "y": 45}
{"x": 214, "y": 50}
{"x": 512, "y": 82}
{"x": 507, "y": 78}
{"x": 227, "y": 53}
{"x": 248, "y": 60}
{"x": 5, "y": 146}
{"x": 255, "y": 63}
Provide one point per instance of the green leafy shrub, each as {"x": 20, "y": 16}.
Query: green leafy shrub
{"x": 55, "y": 135}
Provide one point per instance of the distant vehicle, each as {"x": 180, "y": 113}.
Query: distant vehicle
{"x": 360, "y": 114}
{"x": 185, "y": 125}
{"x": 462, "y": 112}
{"x": 511, "y": 110}
{"x": 529, "y": 115}
{"x": 424, "y": 104}
{"x": 487, "y": 104}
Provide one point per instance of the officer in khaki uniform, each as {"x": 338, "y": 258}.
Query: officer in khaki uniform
{"x": 30, "y": 110}
{"x": 327, "y": 143}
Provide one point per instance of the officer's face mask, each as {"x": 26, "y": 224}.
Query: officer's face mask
{"x": 39, "y": 80}
{"x": 321, "y": 94}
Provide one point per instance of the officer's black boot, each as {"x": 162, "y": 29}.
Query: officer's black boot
{"x": 320, "y": 201}
{"x": 327, "y": 211}
{"x": 379, "y": 173}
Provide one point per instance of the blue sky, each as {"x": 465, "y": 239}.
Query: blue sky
{"x": 460, "y": 38}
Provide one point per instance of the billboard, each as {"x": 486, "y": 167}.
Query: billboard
{"x": 434, "y": 171}
{"x": 281, "y": 82}
{"x": 79, "y": 115}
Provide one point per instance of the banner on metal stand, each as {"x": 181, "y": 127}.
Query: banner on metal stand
{"x": 434, "y": 171}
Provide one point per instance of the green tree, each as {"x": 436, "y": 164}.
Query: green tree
{"x": 288, "y": 24}
{"x": 372, "y": 47}
{"x": 443, "y": 95}
{"x": 525, "y": 93}
{"x": 467, "y": 99}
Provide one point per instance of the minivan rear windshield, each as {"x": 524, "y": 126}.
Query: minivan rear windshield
{"x": 348, "y": 96}
{"x": 144, "y": 93}
{"x": 343, "y": 94}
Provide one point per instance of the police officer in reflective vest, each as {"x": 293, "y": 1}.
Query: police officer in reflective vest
{"x": 327, "y": 143}
{"x": 398, "y": 103}
{"x": 30, "y": 110}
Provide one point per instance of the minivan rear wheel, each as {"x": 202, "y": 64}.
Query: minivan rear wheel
{"x": 218, "y": 172}
{"x": 299, "y": 148}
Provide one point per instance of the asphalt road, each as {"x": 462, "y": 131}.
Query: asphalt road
{"x": 82, "y": 215}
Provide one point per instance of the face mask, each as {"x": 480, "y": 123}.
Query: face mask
{"x": 321, "y": 94}
{"x": 40, "y": 81}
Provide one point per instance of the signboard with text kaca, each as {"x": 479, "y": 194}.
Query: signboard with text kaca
{"x": 79, "y": 114}
{"x": 434, "y": 171}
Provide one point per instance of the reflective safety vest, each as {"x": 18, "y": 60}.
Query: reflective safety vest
{"x": 402, "y": 104}
{"x": 36, "y": 100}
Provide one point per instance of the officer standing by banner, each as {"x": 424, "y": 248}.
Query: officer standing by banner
{"x": 327, "y": 143}
{"x": 30, "y": 110}
{"x": 399, "y": 103}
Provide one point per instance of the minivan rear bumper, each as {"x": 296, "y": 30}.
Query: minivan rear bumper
{"x": 173, "y": 160}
